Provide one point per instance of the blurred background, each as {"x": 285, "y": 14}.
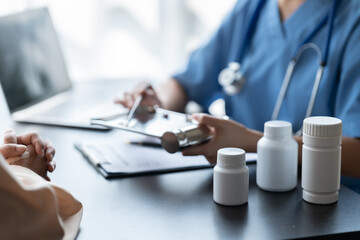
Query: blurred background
{"x": 119, "y": 39}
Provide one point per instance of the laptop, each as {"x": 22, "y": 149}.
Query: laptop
{"x": 34, "y": 77}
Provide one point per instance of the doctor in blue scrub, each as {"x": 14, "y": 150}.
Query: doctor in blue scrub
{"x": 255, "y": 44}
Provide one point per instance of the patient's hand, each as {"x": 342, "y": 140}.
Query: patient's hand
{"x": 29, "y": 150}
{"x": 30, "y": 159}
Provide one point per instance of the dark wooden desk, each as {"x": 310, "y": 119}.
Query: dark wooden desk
{"x": 180, "y": 205}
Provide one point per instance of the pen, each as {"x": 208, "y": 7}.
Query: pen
{"x": 135, "y": 105}
{"x": 152, "y": 144}
{"x": 133, "y": 108}
{"x": 145, "y": 144}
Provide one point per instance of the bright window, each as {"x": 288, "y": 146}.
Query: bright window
{"x": 110, "y": 39}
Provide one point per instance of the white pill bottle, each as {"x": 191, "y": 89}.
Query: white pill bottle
{"x": 277, "y": 161}
{"x": 321, "y": 159}
{"x": 231, "y": 177}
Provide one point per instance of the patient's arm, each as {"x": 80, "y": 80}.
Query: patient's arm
{"x": 350, "y": 156}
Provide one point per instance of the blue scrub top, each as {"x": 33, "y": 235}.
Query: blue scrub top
{"x": 272, "y": 46}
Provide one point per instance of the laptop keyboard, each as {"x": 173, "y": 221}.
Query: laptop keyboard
{"x": 78, "y": 106}
{"x": 81, "y": 110}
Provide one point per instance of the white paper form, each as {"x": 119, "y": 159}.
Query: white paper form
{"x": 122, "y": 159}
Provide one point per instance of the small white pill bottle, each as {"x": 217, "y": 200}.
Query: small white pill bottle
{"x": 231, "y": 177}
{"x": 321, "y": 159}
{"x": 277, "y": 161}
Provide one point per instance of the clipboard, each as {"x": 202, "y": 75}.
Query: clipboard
{"x": 119, "y": 159}
{"x": 174, "y": 130}
{"x": 115, "y": 160}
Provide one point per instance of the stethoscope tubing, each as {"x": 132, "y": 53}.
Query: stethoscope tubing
{"x": 288, "y": 75}
{"x": 249, "y": 31}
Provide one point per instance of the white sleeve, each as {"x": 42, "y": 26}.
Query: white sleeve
{"x": 32, "y": 208}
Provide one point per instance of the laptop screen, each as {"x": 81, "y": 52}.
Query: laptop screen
{"x": 32, "y": 67}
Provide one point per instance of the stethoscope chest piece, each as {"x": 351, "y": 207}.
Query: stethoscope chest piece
{"x": 231, "y": 78}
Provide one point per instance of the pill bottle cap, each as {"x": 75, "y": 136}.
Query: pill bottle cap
{"x": 322, "y": 126}
{"x": 277, "y": 129}
{"x": 230, "y": 157}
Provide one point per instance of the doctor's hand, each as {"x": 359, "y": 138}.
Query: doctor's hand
{"x": 143, "y": 89}
{"x": 226, "y": 133}
{"x": 29, "y": 150}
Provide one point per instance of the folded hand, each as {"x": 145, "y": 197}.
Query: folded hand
{"x": 29, "y": 150}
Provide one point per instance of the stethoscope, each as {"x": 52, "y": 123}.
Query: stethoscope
{"x": 232, "y": 79}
